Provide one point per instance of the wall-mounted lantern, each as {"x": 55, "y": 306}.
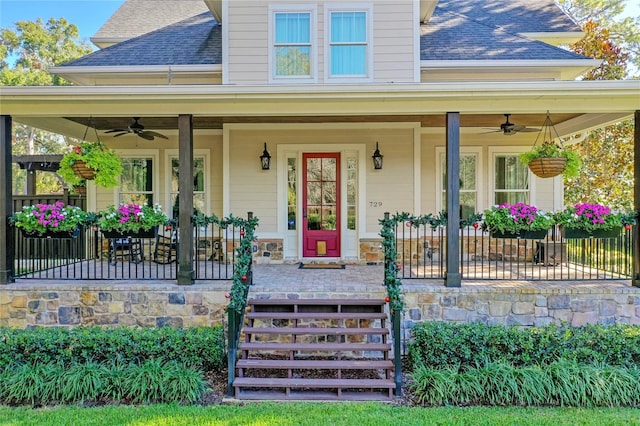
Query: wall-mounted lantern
{"x": 265, "y": 158}
{"x": 377, "y": 158}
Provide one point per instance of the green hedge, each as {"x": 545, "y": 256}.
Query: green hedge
{"x": 199, "y": 347}
{"x": 441, "y": 345}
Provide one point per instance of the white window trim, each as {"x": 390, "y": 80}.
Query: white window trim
{"x": 174, "y": 153}
{"x": 312, "y": 9}
{"x": 347, "y": 7}
{"x": 507, "y": 150}
{"x": 475, "y": 150}
{"x": 154, "y": 155}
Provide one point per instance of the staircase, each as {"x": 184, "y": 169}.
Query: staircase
{"x": 314, "y": 349}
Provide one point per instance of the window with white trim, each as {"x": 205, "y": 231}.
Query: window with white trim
{"x": 511, "y": 180}
{"x": 468, "y": 183}
{"x": 349, "y": 53}
{"x": 292, "y": 55}
{"x": 136, "y": 181}
{"x": 198, "y": 184}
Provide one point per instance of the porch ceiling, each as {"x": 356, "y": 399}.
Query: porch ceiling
{"x": 431, "y": 120}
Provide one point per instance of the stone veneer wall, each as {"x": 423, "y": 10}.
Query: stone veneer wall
{"x": 120, "y": 304}
{"x": 158, "y": 304}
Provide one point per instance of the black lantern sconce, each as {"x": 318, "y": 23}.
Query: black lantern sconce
{"x": 265, "y": 158}
{"x": 377, "y": 158}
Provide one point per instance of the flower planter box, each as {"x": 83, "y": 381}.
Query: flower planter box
{"x": 142, "y": 233}
{"x": 522, "y": 235}
{"x": 577, "y": 233}
{"x": 52, "y": 234}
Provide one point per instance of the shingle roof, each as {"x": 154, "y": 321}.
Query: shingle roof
{"x": 137, "y": 17}
{"x": 194, "y": 41}
{"x": 489, "y": 30}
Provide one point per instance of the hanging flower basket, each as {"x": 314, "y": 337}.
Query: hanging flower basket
{"x": 548, "y": 167}
{"x": 81, "y": 170}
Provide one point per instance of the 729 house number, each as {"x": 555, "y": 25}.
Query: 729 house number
{"x": 375, "y": 203}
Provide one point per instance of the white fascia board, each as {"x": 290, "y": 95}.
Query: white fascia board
{"x": 215, "y": 7}
{"x": 556, "y": 38}
{"x": 103, "y": 42}
{"x": 511, "y": 63}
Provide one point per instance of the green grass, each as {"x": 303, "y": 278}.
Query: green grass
{"x": 312, "y": 414}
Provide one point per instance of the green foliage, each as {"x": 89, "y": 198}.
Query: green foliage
{"x": 41, "y": 218}
{"x": 516, "y": 218}
{"x": 97, "y": 156}
{"x": 201, "y": 347}
{"x": 131, "y": 218}
{"x": 145, "y": 382}
{"x": 592, "y": 217}
{"x": 443, "y": 345}
{"x": 561, "y": 383}
{"x": 553, "y": 150}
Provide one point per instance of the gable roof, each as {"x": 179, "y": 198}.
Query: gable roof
{"x": 453, "y": 36}
{"x": 194, "y": 41}
{"x": 136, "y": 17}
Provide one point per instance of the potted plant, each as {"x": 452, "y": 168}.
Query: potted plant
{"x": 550, "y": 159}
{"x": 517, "y": 220}
{"x": 131, "y": 220}
{"x": 56, "y": 220}
{"x": 585, "y": 220}
{"x": 92, "y": 161}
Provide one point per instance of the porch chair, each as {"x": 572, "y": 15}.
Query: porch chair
{"x": 125, "y": 248}
{"x": 166, "y": 248}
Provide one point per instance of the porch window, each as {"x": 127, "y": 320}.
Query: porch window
{"x": 511, "y": 180}
{"x": 291, "y": 193}
{"x": 292, "y": 47}
{"x": 349, "y": 46}
{"x": 468, "y": 184}
{"x": 136, "y": 182}
{"x": 198, "y": 184}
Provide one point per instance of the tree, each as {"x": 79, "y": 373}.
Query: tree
{"x": 607, "y": 154}
{"x": 26, "y": 54}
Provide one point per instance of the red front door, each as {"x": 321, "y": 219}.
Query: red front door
{"x": 321, "y": 205}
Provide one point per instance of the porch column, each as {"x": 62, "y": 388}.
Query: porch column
{"x": 636, "y": 198}
{"x": 185, "y": 188}
{"x": 453, "y": 278}
{"x": 6, "y": 202}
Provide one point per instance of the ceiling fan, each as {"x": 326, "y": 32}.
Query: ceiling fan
{"x": 137, "y": 129}
{"x": 509, "y": 128}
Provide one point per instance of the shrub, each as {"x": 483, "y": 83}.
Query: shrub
{"x": 441, "y": 344}
{"x": 200, "y": 347}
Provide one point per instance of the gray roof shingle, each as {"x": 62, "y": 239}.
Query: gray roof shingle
{"x": 489, "y": 30}
{"x": 136, "y": 17}
{"x": 194, "y": 41}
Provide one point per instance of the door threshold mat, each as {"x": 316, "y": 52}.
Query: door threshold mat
{"x": 320, "y": 266}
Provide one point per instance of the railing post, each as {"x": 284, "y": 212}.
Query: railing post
{"x": 397, "y": 357}
{"x": 232, "y": 350}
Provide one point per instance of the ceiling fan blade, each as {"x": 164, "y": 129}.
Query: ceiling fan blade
{"x": 120, "y": 134}
{"x": 491, "y": 131}
{"x": 116, "y": 130}
{"x": 145, "y": 135}
{"x": 156, "y": 134}
{"x": 529, "y": 129}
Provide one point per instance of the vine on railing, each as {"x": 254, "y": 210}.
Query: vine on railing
{"x": 388, "y": 234}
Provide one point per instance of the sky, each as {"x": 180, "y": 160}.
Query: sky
{"x": 89, "y": 15}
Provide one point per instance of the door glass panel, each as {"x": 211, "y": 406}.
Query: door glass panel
{"x": 329, "y": 193}
{"x": 314, "y": 193}
{"x": 328, "y": 169}
{"x": 321, "y": 194}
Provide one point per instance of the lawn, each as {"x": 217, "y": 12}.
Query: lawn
{"x": 313, "y": 414}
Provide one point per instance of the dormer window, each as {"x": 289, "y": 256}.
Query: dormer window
{"x": 292, "y": 55}
{"x": 349, "y": 53}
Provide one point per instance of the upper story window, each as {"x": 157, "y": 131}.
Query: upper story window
{"x": 349, "y": 53}
{"x": 292, "y": 55}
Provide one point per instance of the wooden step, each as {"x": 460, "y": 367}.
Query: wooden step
{"x": 270, "y": 382}
{"x": 317, "y": 395}
{"x": 317, "y": 315}
{"x": 315, "y": 364}
{"x": 323, "y": 331}
{"x": 315, "y": 347}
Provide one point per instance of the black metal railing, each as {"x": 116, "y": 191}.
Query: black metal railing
{"x": 422, "y": 255}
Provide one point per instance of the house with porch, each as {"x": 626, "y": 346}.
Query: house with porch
{"x": 320, "y": 116}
